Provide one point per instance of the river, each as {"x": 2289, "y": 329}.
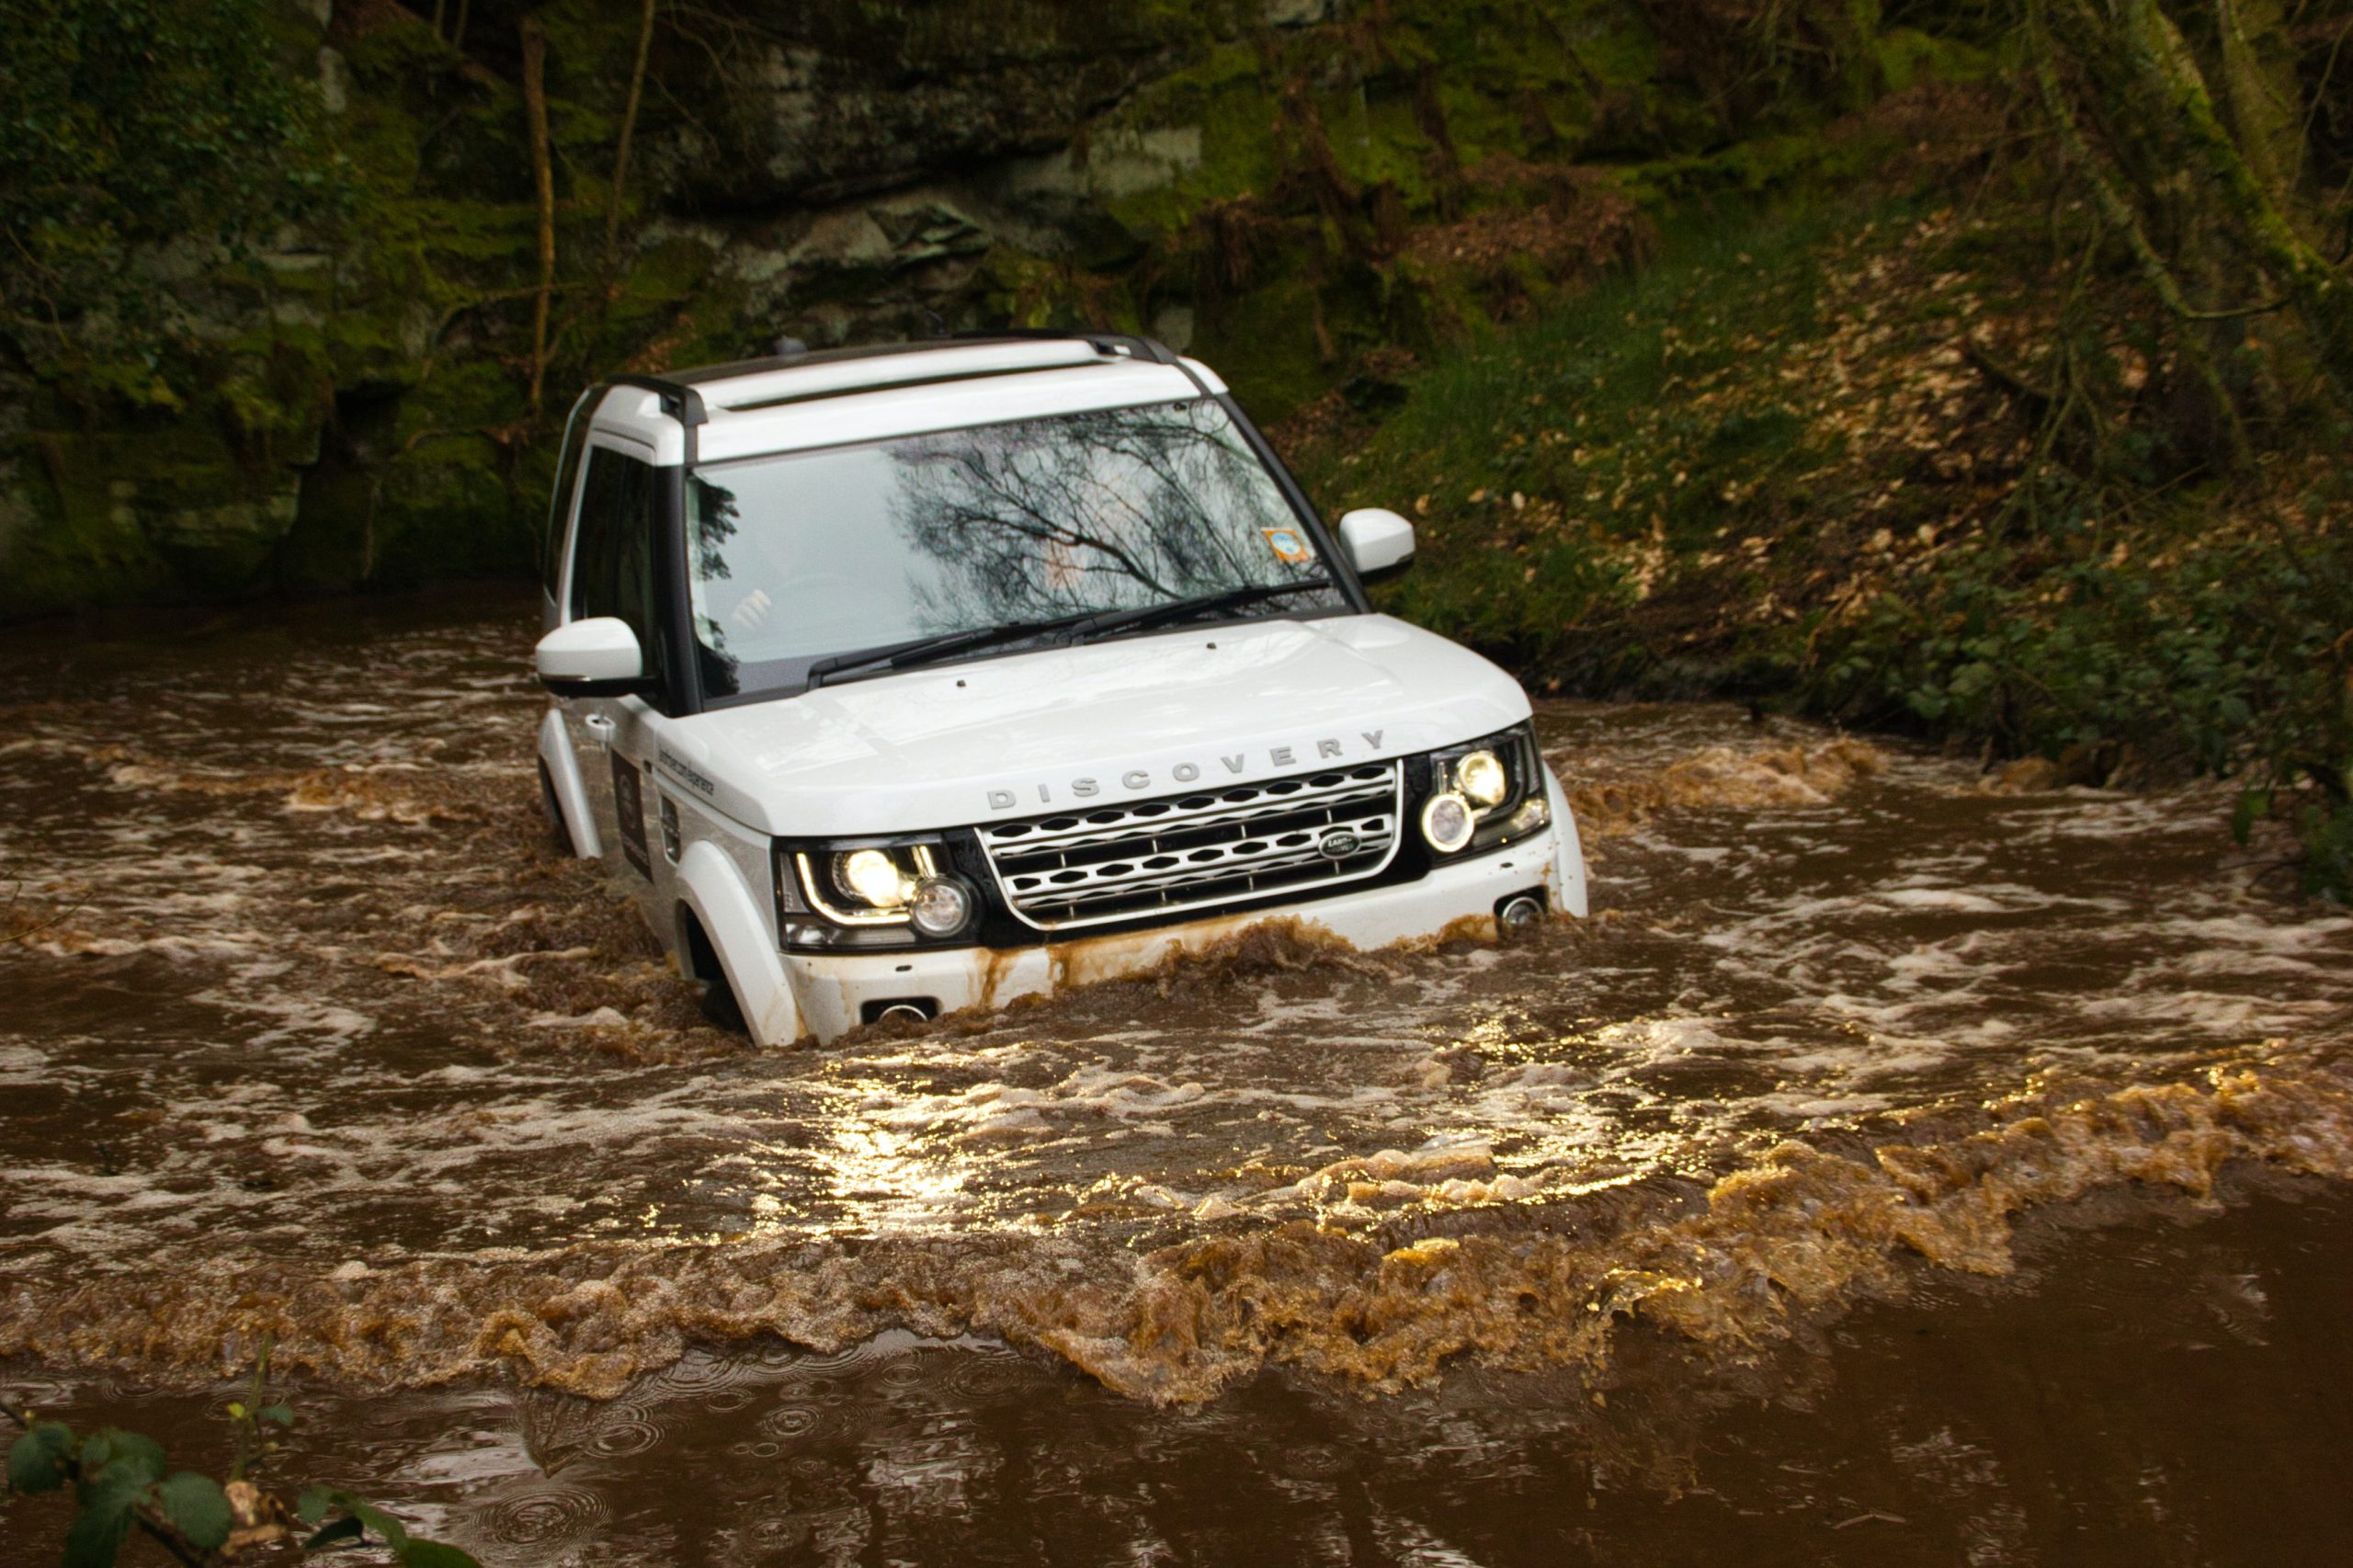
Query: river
{"x": 1900, "y": 1165}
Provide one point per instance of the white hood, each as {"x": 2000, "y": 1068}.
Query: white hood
{"x": 999, "y": 738}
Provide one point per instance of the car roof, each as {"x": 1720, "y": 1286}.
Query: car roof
{"x": 798, "y": 402}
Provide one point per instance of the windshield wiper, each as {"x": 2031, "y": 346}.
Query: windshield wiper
{"x": 1200, "y": 604}
{"x": 924, "y": 650}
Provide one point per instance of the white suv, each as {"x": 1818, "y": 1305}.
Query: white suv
{"x": 900, "y": 680}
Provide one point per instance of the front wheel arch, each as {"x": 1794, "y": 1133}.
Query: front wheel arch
{"x": 738, "y": 943}
{"x": 700, "y": 961}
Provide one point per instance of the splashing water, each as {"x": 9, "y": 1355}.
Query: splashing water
{"x": 311, "y": 1034}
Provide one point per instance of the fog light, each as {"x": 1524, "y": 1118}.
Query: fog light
{"x": 941, "y": 907}
{"x": 1517, "y": 916}
{"x": 1446, "y": 823}
{"x": 1481, "y": 776}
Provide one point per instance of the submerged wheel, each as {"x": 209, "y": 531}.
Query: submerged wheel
{"x": 719, "y": 1003}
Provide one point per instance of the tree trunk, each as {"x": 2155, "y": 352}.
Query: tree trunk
{"x": 2322, "y": 294}
{"x": 629, "y": 129}
{"x": 2267, "y": 102}
{"x": 535, "y": 102}
{"x": 2118, "y": 210}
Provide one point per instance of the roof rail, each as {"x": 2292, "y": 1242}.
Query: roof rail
{"x": 798, "y": 360}
{"x": 1120, "y": 344}
{"x": 1127, "y": 343}
{"x": 679, "y": 401}
{"x": 682, "y": 401}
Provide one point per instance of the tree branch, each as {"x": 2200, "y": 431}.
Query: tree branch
{"x": 629, "y": 129}
{"x": 535, "y": 101}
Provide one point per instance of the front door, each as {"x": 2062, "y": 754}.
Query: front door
{"x": 614, "y": 572}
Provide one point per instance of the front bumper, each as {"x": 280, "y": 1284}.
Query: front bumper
{"x": 835, "y": 991}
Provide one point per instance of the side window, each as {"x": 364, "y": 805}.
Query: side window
{"x": 567, "y": 479}
{"x": 613, "y": 561}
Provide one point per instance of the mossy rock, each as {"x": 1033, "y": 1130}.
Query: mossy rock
{"x": 125, "y": 518}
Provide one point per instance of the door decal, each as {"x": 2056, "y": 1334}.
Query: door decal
{"x": 629, "y": 807}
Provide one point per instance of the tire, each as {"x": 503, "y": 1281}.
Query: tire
{"x": 719, "y": 1003}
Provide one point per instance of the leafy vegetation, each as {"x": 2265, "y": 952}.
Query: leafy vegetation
{"x": 1938, "y": 460}
{"x": 129, "y": 123}
{"x": 2013, "y": 423}
{"x": 121, "y": 1481}
{"x": 278, "y": 301}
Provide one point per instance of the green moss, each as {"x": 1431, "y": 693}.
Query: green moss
{"x": 1765, "y": 168}
{"x": 661, "y": 278}
{"x": 410, "y": 307}
{"x": 1906, "y": 57}
{"x": 1264, "y": 344}
{"x": 1223, "y": 99}
{"x": 126, "y": 516}
{"x": 1581, "y": 408}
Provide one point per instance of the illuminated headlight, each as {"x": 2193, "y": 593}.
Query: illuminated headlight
{"x": 941, "y": 907}
{"x": 1482, "y": 780}
{"x": 1485, "y": 793}
{"x": 877, "y": 885}
{"x": 874, "y": 878}
{"x": 1447, "y": 823}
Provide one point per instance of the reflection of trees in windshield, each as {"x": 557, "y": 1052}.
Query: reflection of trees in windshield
{"x": 1050, "y": 518}
{"x": 715, "y": 517}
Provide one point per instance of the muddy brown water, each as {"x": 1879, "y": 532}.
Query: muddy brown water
{"x": 1895, "y": 1169}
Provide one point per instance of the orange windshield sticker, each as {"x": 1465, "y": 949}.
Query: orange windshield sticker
{"x": 1288, "y": 544}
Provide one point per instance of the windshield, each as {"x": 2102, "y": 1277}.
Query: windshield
{"x": 797, "y": 557}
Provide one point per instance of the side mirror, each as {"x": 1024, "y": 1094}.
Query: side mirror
{"x": 1380, "y": 543}
{"x": 596, "y": 657}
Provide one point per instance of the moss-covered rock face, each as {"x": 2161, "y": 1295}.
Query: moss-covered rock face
{"x": 1304, "y": 192}
{"x": 820, "y": 103}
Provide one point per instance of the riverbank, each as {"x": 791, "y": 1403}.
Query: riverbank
{"x": 1809, "y": 461}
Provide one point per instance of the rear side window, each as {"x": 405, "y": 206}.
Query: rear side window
{"x": 613, "y": 556}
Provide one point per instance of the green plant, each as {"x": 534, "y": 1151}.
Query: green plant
{"x": 1913, "y": 473}
{"x": 121, "y": 1481}
{"x": 131, "y": 122}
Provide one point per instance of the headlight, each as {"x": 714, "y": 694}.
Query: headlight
{"x": 1447, "y": 823}
{"x": 1481, "y": 779}
{"x": 873, "y": 894}
{"x": 941, "y": 907}
{"x": 1486, "y": 794}
{"x": 874, "y": 878}
{"x": 868, "y": 886}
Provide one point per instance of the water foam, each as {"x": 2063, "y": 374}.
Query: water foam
{"x": 1734, "y": 1266}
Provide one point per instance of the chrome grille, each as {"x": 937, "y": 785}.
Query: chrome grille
{"x": 1199, "y": 850}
